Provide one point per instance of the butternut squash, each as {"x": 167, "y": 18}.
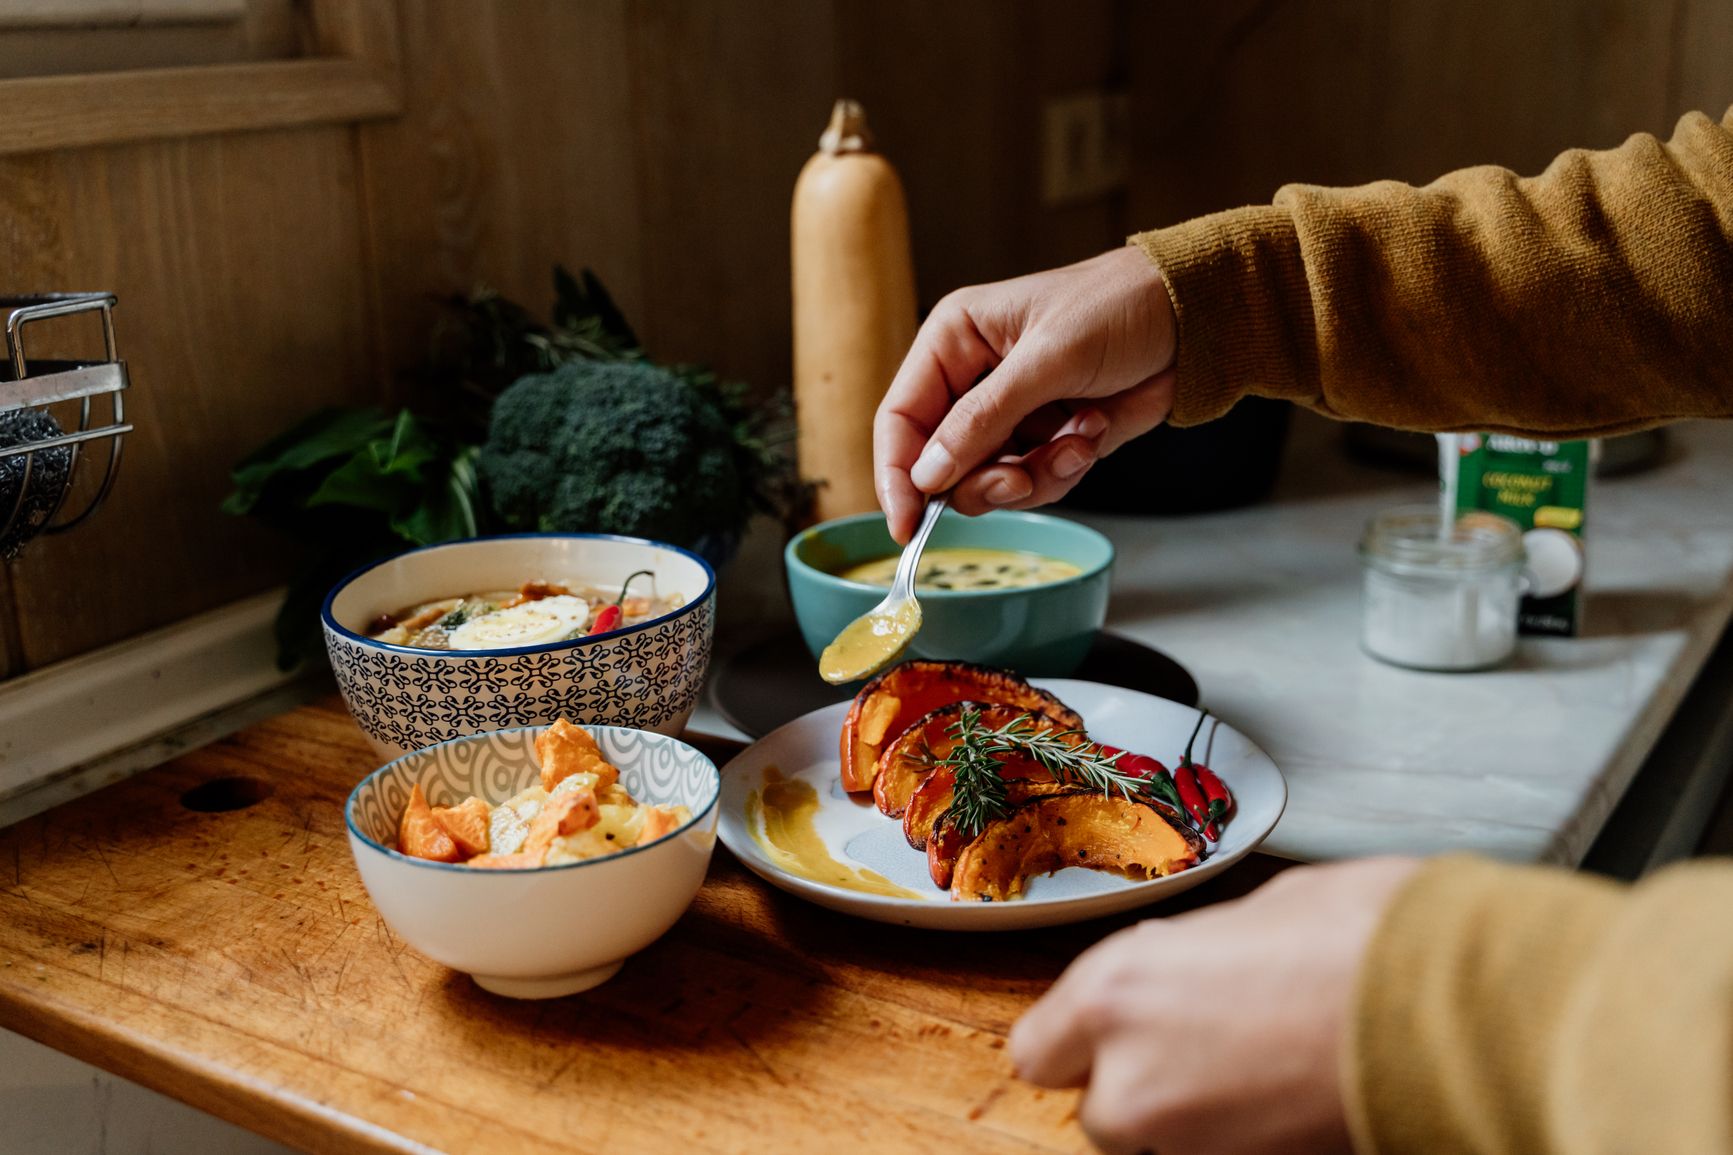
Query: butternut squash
{"x": 906, "y": 763}
{"x": 906, "y": 693}
{"x": 854, "y": 307}
{"x": 931, "y": 800}
{"x": 1090, "y": 830}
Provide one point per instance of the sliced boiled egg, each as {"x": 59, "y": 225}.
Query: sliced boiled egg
{"x": 531, "y": 624}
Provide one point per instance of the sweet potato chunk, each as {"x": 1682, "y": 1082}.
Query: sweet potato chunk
{"x": 908, "y": 759}
{"x": 564, "y": 749}
{"x": 1046, "y": 834}
{"x": 419, "y": 833}
{"x": 903, "y": 694}
{"x": 466, "y": 823}
{"x": 658, "y": 823}
{"x": 564, "y": 814}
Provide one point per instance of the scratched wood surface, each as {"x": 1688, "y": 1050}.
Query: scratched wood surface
{"x": 233, "y": 960}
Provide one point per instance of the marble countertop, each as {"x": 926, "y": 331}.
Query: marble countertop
{"x": 1524, "y": 762}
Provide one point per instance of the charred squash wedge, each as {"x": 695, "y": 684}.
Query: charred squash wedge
{"x": 907, "y": 761}
{"x": 1044, "y": 834}
{"x": 904, "y": 694}
{"x": 932, "y": 798}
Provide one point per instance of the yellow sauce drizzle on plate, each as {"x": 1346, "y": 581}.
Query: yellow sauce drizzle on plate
{"x": 780, "y": 818}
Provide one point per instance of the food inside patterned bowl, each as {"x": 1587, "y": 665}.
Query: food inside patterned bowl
{"x": 585, "y": 641}
{"x": 578, "y": 810}
{"x": 534, "y": 614}
{"x": 564, "y": 904}
{"x": 997, "y": 782}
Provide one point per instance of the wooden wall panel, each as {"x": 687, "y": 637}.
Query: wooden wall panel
{"x": 261, "y": 274}
{"x": 955, "y": 92}
{"x": 515, "y": 150}
{"x": 1701, "y": 76}
{"x": 728, "y": 100}
{"x": 1233, "y": 101}
{"x": 241, "y": 308}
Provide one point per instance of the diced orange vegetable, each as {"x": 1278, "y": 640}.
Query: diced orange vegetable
{"x": 658, "y": 823}
{"x": 565, "y": 749}
{"x": 566, "y": 814}
{"x": 466, "y": 823}
{"x": 420, "y": 835}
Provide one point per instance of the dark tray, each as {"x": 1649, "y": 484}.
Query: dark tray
{"x": 773, "y": 681}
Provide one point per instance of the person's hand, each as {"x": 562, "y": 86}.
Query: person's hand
{"x": 1219, "y": 1030}
{"x": 1012, "y": 390}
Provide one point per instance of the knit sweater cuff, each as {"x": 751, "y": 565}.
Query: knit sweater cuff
{"x": 1244, "y": 312}
{"x": 1459, "y": 1004}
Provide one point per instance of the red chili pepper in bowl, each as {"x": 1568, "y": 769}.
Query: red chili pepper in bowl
{"x": 608, "y": 619}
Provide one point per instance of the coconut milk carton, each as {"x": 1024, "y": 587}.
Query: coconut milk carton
{"x": 1543, "y": 487}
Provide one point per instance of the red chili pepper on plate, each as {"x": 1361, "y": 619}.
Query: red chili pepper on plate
{"x": 1215, "y": 792}
{"x": 1191, "y": 791}
{"x": 1191, "y": 794}
{"x": 608, "y": 619}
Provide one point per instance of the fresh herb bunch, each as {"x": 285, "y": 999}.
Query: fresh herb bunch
{"x": 357, "y": 485}
{"x": 979, "y": 795}
{"x": 353, "y": 486}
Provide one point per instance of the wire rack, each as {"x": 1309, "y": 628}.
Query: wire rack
{"x": 51, "y": 462}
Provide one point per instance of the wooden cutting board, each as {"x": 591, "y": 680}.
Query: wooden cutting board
{"x": 232, "y": 959}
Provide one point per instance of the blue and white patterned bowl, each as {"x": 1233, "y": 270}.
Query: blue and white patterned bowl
{"x": 546, "y": 931}
{"x": 646, "y": 676}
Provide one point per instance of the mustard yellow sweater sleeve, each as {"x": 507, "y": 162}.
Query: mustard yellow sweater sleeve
{"x": 1522, "y": 1011}
{"x": 1595, "y": 298}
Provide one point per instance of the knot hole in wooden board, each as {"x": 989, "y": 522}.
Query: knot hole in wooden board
{"x": 220, "y": 794}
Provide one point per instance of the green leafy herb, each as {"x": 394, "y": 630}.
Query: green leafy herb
{"x": 353, "y": 486}
{"x": 979, "y": 795}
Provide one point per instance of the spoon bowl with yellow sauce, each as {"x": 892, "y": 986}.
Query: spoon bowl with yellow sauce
{"x": 878, "y": 637}
{"x": 1026, "y": 591}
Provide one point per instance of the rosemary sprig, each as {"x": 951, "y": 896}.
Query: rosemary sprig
{"x": 978, "y": 794}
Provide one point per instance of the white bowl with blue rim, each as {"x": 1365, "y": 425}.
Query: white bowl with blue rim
{"x": 545, "y": 931}
{"x": 647, "y": 676}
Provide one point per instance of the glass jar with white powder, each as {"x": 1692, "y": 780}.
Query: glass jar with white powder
{"x": 1440, "y": 601}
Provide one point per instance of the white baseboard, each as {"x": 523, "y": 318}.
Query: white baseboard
{"x": 92, "y": 719}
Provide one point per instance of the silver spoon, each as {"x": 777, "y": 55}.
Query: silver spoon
{"x": 878, "y": 637}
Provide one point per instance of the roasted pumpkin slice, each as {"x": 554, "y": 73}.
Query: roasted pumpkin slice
{"x": 907, "y": 761}
{"x": 904, "y": 694}
{"x": 1045, "y": 834}
{"x": 927, "y": 805}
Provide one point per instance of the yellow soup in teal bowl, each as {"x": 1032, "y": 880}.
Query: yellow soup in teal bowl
{"x": 1026, "y": 591}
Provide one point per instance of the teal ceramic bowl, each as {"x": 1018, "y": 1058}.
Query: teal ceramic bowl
{"x": 1038, "y": 631}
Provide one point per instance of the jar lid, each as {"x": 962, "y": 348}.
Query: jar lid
{"x": 1408, "y": 537}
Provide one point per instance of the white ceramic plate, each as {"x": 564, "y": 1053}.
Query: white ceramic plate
{"x": 857, "y": 834}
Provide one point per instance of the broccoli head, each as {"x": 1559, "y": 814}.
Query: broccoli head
{"x": 614, "y": 447}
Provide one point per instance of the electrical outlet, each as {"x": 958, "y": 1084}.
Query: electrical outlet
{"x": 1083, "y": 153}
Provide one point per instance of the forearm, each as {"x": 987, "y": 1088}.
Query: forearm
{"x": 1518, "y": 1010}
{"x": 1592, "y": 299}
